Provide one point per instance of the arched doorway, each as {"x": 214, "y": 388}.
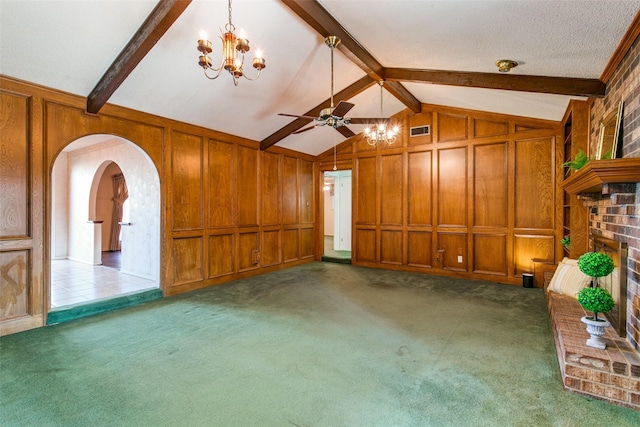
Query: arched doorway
{"x": 82, "y": 208}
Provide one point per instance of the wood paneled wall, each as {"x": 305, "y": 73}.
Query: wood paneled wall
{"x": 228, "y": 209}
{"x": 476, "y": 197}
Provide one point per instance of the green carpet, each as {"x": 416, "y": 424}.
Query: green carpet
{"x": 322, "y": 344}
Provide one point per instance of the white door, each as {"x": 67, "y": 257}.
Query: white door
{"x": 342, "y": 240}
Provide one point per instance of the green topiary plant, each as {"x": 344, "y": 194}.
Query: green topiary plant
{"x": 595, "y": 264}
{"x": 597, "y": 300}
{"x": 566, "y": 241}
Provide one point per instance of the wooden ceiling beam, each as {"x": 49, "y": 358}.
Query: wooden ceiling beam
{"x": 348, "y": 92}
{"x": 326, "y": 25}
{"x": 540, "y": 84}
{"x": 157, "y": 23}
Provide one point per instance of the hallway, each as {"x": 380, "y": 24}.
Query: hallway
{"x": 74, "y": 282}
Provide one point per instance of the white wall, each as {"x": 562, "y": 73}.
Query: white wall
{"x": 329, "y": 213}
{"x": 141, "y": 240}
{"x": 59, "y": 208}
{"x": 342, "y": 210}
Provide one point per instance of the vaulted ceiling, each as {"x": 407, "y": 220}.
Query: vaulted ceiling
{"x": 434, "y": 52}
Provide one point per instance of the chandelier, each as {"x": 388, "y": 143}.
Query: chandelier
{"x": 233, "y": 50}
{"x": 379, "y": 133}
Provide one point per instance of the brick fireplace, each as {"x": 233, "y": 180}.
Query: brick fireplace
{"x": 616, "y": 215}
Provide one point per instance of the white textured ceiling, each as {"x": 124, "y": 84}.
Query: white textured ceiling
{"x": 68, "y": 45}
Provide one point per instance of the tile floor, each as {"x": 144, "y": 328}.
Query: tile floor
{"x": 73, "y": 282}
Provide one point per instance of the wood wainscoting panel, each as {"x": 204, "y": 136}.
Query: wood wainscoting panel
{"x": 490, "y": 185}
{"x": 391, "y": 247}
{"x": 535, "y": 183}
{"x": 14, "y": 292}
{"x": 419, "y": 249}
{"x": 270, "y": 253}
{"x": 290, "y": 245}
{"x": 14, "y": 166}
{"x": 452, "y": 187}
{"x": 490, "y": 253}
{"x": 391, "y": 193}
{"x": 454, "y": 245}
{"x": 306, "y": 243}
{"x": 186, "y": 181}
{"x": 187, "y": 260}
{"x": 528, "y": 247}
{"x": 248, "y": 251}
{"x": 452, "y": 127}
{"x": 307, "y": 206}
{"x": 419, "y": 189}
{"x": 221, "y": 171}
{"x": 221, "y": 255}
{"x": 270, "y": 189}
{"x": 290, "y": 190}
{"x": 366, "y": 185}
{"x": 366, "y": 245}
{"x": 484, "y": 128}
{"x": 248, "y": 179}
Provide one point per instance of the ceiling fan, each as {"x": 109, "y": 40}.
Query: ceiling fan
{"x": 334, "y": 117}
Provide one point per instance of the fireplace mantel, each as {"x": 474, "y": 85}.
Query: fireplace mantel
{"x": 591, "y": 177}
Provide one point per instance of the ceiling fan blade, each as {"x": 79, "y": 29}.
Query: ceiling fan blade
{"x": 294, "y": 115}
{"x": 304, "y": 130}
{"x": 366, "y": 120}
{"x": 342, "y": 108}
{"x": 345, "y": 131}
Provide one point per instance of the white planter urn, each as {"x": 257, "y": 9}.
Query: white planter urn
{"x": 596, "y": 329}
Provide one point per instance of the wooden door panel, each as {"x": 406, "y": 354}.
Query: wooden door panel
{"x": 306, "y": 192}
{"x": 187, "y": 260}
{"x": 248, "y": 173}
{"x": 306, "y": 243}
{"x": 490, "y": 185}
{"x": 366, "y": 245}
{"x": 248, "y": 251}
{"x": 221, "y": 184}
{"x": 490, "y": 254}
{"x": 290, "y": 191}
{"x": 186, "y": 179}
{"x": 452, "y": 187}
{"x": 290, "y": 245}
{"x": 452, "y": 127}
{"x": 366, "y": 190}
{"x": 419, "y": 249}
{"x": 14, "y": 292}
{"x": 529, "y": 247}
{"x": 454, "y": 246}
{"x": 270, "y": 253}
{"x": 270, "y": 189}
{"x": 534, "y": 184}
{"x": 221, "y": 255}
{"x": 391, "y": 247}
{"x": 419, "y": 188}
{"x": 391, "y": 190}
{"x": 484, "y": 128}
{"x": 14, "y": 167}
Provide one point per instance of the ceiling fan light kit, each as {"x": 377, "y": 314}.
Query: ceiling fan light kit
{"x": 233, "y": 50}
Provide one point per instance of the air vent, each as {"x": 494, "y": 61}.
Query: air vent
{"x": 420, "y": 130}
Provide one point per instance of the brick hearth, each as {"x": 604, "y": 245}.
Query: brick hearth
{"x": 612, "y": 374}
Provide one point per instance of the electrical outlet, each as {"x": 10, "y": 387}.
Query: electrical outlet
{"x": 459, "y": 259}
